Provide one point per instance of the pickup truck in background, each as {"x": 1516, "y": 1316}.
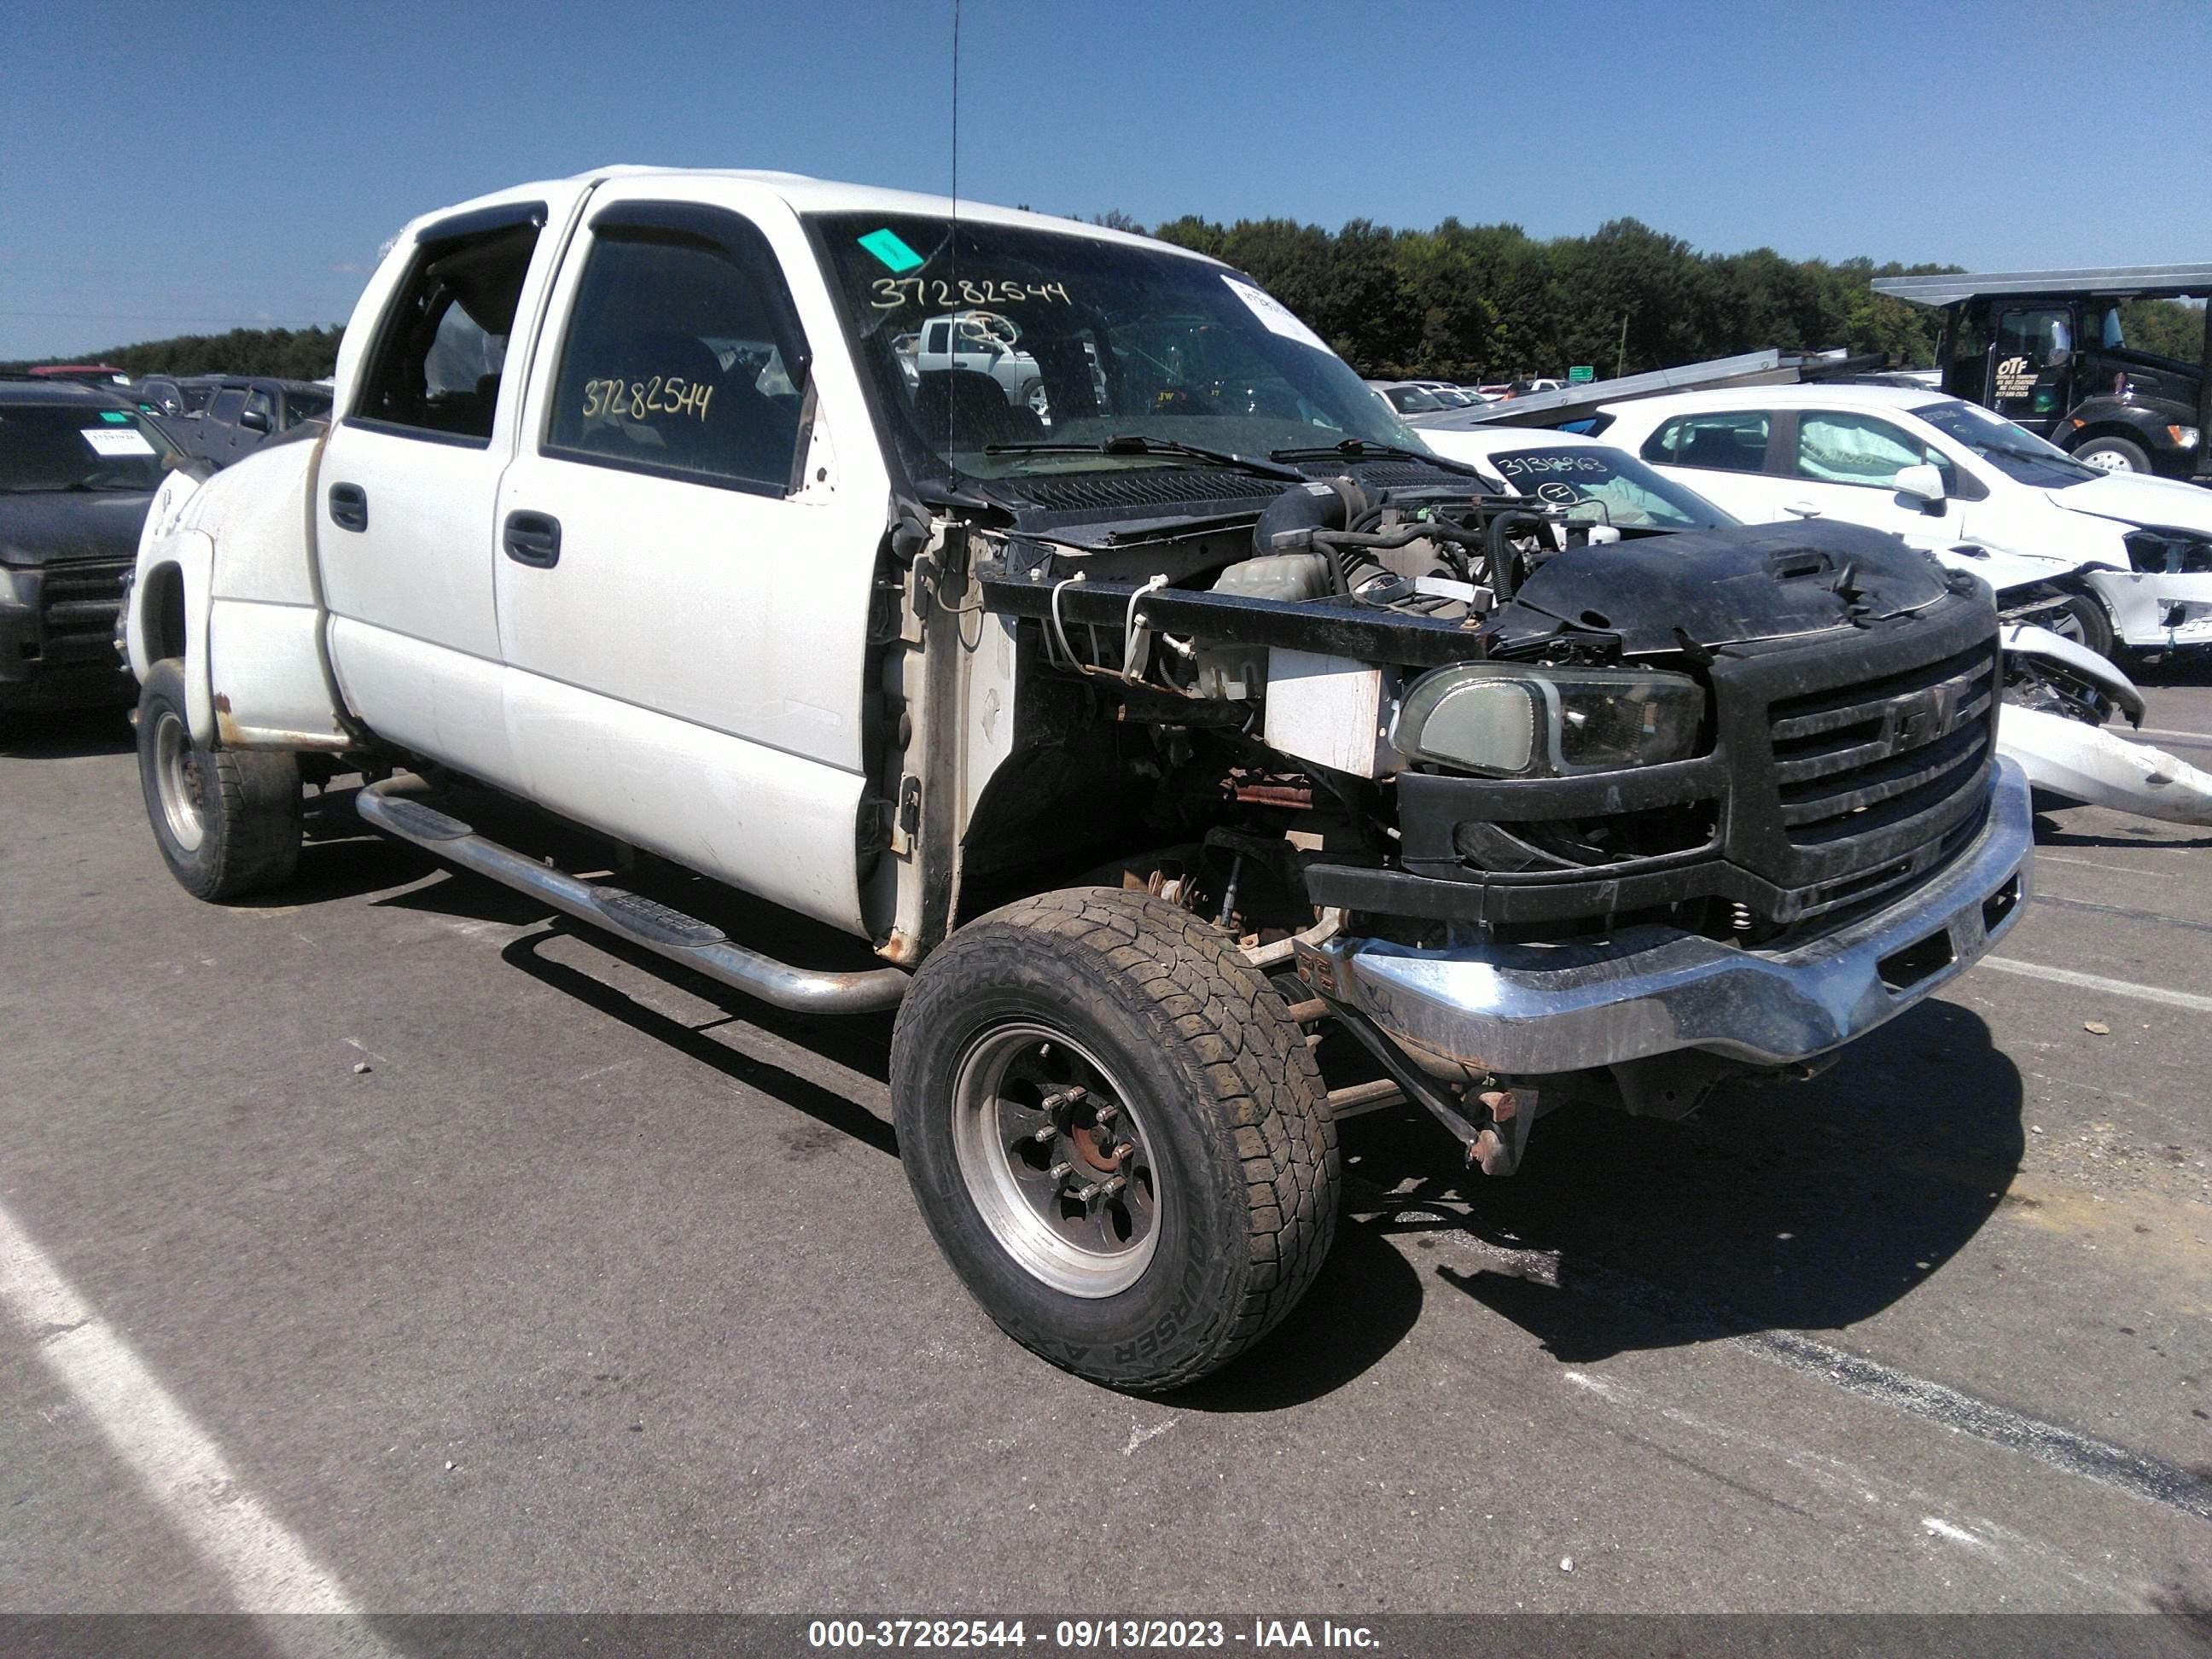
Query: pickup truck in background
{"x": 1215, "y": 763}
{"x": 241, "y": 414}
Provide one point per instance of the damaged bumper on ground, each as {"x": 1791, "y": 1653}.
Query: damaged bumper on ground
{"x": 1645, "y": 992}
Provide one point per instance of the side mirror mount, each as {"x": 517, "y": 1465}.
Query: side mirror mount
{"x": 1921, "y": 487}
{"x": 253, "y": 419}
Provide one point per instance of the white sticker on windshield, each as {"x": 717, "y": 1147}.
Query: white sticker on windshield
{"x": 117, "y": 440}
{"x": 1276, "y": 317}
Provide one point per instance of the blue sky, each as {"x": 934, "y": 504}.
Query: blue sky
{"x": 168, "y": 169}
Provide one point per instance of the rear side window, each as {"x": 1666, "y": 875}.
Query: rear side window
{"x": 226, "y": 403}
{"x": 683, "y": 354}
{"x": 1724, "y": 443}
{"x": 435, "y": 368}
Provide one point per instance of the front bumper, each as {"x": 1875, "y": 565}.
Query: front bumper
{"x": 1531, "y": 1009}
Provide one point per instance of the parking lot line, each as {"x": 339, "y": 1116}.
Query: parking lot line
{"x": 2127, "y": 910}
{"x": 2169, "y": 732}
{"x": 2119, "y": 987}
{"x": 268, "y": 1569}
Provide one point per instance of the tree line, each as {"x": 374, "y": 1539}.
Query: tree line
{"x": 288, "y": 354}
{"x": 1470, "y": 303}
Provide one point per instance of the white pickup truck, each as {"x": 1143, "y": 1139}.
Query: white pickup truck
{"x": 1215, "y": 736}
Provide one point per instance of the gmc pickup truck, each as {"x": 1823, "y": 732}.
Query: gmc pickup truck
{"x": 1167, "y": 731}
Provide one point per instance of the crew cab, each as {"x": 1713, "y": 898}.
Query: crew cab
{"x": 243, "y": 414}
{"x": 1153, "y": 762}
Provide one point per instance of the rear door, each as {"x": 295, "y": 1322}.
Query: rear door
{"x": 409, "y": 483}
{"x": 213, "y": 433}
{"x": 684, "y": 579}
{"x": 1723, "y": 455}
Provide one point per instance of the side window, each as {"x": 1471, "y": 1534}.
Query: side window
{"x": 1833, "y": 447}
{"x": 2035, "y": 346}
{"x": 261, "y": 403}
{"x": 437, "y": 363}
{"x": 683, "y": 354}
{"x": 227, "y": 402}
{"x": 1725, "y": 443}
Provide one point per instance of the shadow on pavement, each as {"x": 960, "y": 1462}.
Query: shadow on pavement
{"x": 2051, "y": 831}
{"x": 862, "y": 1043}
{"x": 1804, "y": 1208}
{"x": 67, "y": 734}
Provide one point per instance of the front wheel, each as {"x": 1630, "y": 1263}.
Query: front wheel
{"x": 2114, "y": 455}
{"x": 1116, "y": 1133}
{"x": 2089, "y": 624}
{"x": 226, "y": 821}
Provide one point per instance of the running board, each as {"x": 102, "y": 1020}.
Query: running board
{"x": 699, "y": 945}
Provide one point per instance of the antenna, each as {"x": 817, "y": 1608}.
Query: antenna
{"x": 952, "y": 327}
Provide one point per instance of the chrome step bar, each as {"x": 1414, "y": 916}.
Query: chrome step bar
{"x": 699, "y": 945}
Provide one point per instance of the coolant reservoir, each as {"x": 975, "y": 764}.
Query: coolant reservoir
{"x": 1239, "y": 674}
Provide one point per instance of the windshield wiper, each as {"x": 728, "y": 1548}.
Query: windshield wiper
{"x": 1359, "y": 449}
{"x": 1136, "y": 444}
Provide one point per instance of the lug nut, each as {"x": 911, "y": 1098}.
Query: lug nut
{"x": 1065, "y": 1097}
{"x": 1111, "y": 1185}
{"x": 1046, "y": 1134}
{"x": 1106, "y": 1113}
{"x": 1125, "y": 1148}
{"x": 1061, "y": 1171}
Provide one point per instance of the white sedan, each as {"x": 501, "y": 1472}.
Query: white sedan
{"x": 1935, "y": 467}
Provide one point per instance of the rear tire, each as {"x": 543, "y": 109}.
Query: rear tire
{"x": 1018, "y": 1034}
{"x": 226, "y": 821}
{"x": 2110, "y": 454}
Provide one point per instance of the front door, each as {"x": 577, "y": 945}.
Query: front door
{"x": 408, "y": 488}
{"x": 2034, "y": 364}
{"x": 1844, "y": 464}
{"x": 684, "y": 581}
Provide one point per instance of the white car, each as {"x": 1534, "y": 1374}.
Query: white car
{"x": 1938, "y": 469}
{"x": 2060, "y": 696}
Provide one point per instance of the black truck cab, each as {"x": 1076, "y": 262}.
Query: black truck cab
{"x": 2046, "y": 350}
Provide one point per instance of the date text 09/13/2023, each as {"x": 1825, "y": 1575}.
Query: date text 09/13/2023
{"x": 1088, "y": 1635}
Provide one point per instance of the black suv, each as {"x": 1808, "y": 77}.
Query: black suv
{"x": 77, "y": 471}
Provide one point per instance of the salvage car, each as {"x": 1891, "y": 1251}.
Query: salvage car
{"x": 2062, "y": 698}
{"x": 77, "y": 470}
{"x": 1902, "y": 460}
{"x": 1135, "y": 754}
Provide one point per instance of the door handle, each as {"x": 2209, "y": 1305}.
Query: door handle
{"x": 1803, "y": 509}
{"x": 349, "y": 507}
{"x": 532, "y": 539}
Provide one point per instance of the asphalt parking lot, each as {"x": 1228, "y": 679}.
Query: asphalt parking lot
{"x": 394, "y": 1247}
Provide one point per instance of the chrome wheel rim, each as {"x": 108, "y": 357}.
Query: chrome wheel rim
{"x": 1056, "y": 1160}
{"x": 177, "y": 780}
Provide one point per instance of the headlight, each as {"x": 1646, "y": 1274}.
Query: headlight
{"x": 14, "y": 593}
{"x": 1511, "y": 721}
{"x": 2168, "y": 552}
{"x": 2184, "y": 437}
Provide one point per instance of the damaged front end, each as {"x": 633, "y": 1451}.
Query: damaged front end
{"x": 1583, "y": 821}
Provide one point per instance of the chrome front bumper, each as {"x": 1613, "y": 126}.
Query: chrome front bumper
{"x": 1534, "y": 1009}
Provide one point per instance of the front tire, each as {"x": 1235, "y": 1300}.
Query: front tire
{"x": 226, "y": 821}
{"x": 2095, "y": 624}
{"x": 1116, "y": 1133}
{"x": 2110, "y": 454}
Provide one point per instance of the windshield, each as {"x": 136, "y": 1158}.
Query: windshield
{"x": 55, "y": 446}
{"x": 1016, "y": 337}
{"x": 1608, "y": 486}
{"x": 1413, "y": 400}
{"x": 2014, "y": 451}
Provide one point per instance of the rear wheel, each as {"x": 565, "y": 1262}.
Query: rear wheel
{"x": 1116, "y": 1133}
{"x": 2114, "y": 455}
{"x": 226, "y": 821}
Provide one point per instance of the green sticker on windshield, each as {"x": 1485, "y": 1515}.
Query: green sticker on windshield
{"x": 886, "y": 246}
{"x": 115, "y": 417}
